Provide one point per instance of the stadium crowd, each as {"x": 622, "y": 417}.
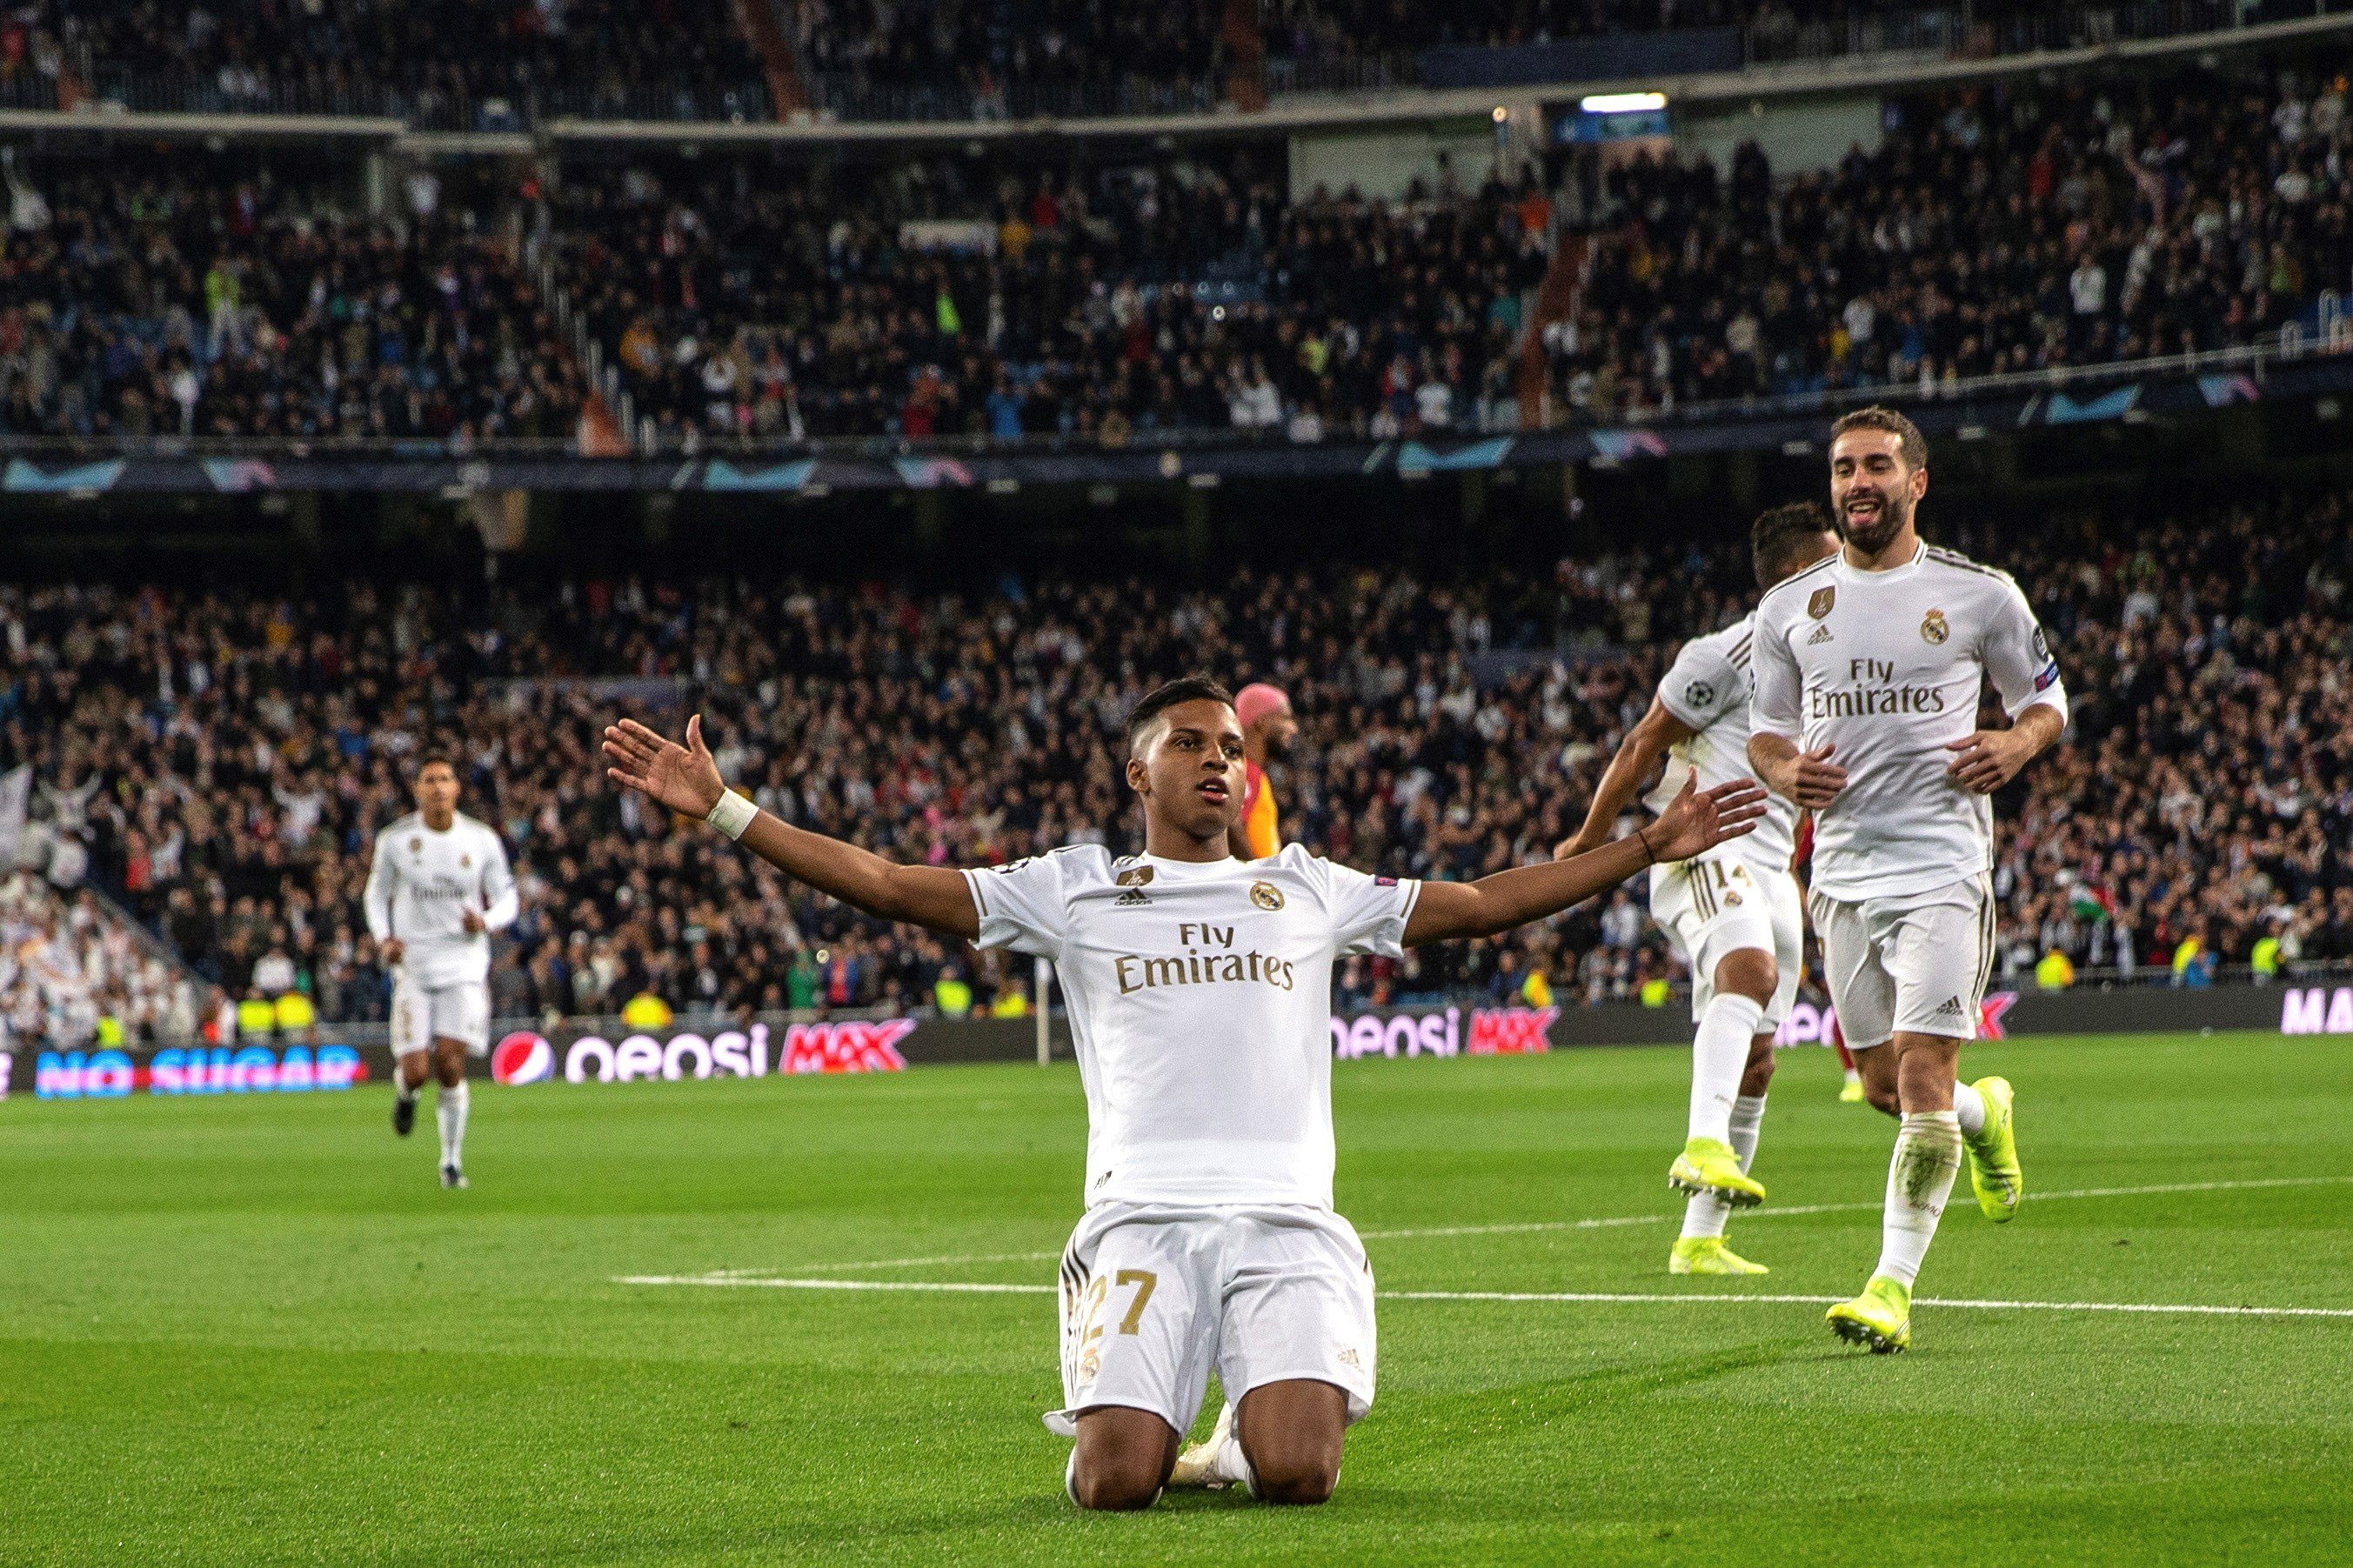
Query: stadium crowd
{"x": 937, "y": 295}
{"x": 439, "y": 63}
{"x": 1992, "y": 231}
{"x": 227, "y": 760}
{"x": 874, "y": 60}
{"x": 154, "y": 299}
{"x": 1105, "y": 303}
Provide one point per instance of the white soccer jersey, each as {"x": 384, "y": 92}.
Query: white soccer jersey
{"x": 1201, "y": 1002}
{"x": 422, "y": 884}
{"x": 1886, "y": 667}
{"x": 1707, "y": 688}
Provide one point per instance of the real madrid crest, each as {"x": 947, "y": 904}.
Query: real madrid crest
{"x": 1134, "y": 877}
{"x": 1820, "y": 604}
{"x": 416, "y": 846}
{"x": 1266, "y": 895}
{"x": 1933, "y": 628}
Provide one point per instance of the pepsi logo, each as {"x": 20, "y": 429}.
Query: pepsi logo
{"x": 522, "y": 1057}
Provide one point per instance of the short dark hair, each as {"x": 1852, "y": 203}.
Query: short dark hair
{"x": 1161, "y": 697}
{"x": 1776, "y": 536}
{"x": 429, "y": 758}
{"x": 1911, "y": 446}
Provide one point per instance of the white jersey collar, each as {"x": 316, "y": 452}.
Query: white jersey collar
{"x": 1853, "y": 573}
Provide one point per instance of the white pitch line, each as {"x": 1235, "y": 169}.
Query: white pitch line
{"x": 1611, "y": 1222}
{"x": 1634, "y": 1297}
{"x": 1874, "y": 1205}
{"x": 951, "y": 1287}
{"x": 919, "y": 1262}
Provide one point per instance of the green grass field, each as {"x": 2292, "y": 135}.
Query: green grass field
{"x": 254, "y": 1329}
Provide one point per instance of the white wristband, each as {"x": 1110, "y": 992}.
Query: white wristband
{"x": 733, "y": 815}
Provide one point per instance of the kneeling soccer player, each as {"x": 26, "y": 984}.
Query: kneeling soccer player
{"x": 1734, "y": 914}
{"x": 1200, "y": 993}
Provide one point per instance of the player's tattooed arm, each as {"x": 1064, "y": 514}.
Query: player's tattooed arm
{"x": 1985, "y": 760}
{"x": 686, "y": 780}
{"x": 1809, "y": 778}
{"x": 1637, "y": 757}
{"x": 1696, "y": 820}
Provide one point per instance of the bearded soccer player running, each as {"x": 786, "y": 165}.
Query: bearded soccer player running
{"x": 1733, "y": 913}
{"x": 1199, "y": 992}
{"x": 1868, "y": 669}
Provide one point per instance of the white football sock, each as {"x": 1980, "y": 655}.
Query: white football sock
{"x": 1970, "y": 1106}
{"x": 1919, "y": 1179}
{"x": 1719, "y": 1056}
{"x": 1706, "y": 1213}
{"x": 449, "y": 1108}
{"x": 401, "y": 1087}
{"x": 1230, "y": 1464}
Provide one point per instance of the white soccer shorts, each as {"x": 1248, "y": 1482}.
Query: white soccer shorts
{"x": 422, "y": 1014}
{"x": 1716, "y": 904}
{"x": 1915, "y": 963}
{"x": 1154, "y": 1295}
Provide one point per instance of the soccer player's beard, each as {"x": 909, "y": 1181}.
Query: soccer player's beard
{"x": 1894, "y": 511}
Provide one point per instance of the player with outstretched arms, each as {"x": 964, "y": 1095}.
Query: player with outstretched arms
{"x": 438, "y": 887}
{"x": 1734, "y": 913}
{"x": 1868, "y": 669}
{"x": 1200, "y": 993}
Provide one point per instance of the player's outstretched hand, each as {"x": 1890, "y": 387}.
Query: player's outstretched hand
{"x": 684, "y": 778}
{"x": 1698, "y": 820}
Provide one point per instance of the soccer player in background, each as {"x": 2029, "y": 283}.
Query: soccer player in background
{"x": 438, "y": 887}
{"x": 1868, "y": 668}
{"x": 1199, "y": 990}
{"x": 1268, "y": 731}
{"x": 1735, "y": 914}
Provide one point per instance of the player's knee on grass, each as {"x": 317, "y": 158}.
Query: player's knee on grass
{"x": 1291, "y": 1432}
{"x": 1123, "y": 1458}
{"x": 1747, "y": 972}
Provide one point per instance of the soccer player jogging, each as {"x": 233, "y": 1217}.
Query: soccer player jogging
{"x": 1868, "y": 669}
{"x": 1268, "y": 729}
{"x": 1734, "y": 913}
{"x": 438, "y": 887}
{"x": 1200, "y": 989}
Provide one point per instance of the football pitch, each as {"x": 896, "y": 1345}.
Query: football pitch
{"x": 809, "y": 1319}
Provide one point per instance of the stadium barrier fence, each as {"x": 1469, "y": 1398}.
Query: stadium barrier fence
{"x": 601, "y": 1051}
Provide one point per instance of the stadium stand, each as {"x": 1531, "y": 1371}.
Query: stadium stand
{"x": 1104, "y": 304}
{"x": 1991, "y": 232}
{"x": 246, "y": 297}
{"x": 439, "y": 63}
{"x": 934, "y": 296}
{"x": 232, "y": 755}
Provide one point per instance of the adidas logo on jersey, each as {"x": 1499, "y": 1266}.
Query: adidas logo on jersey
{"x": 1132, "y": 898}
{"x": 1822, "y": 634}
